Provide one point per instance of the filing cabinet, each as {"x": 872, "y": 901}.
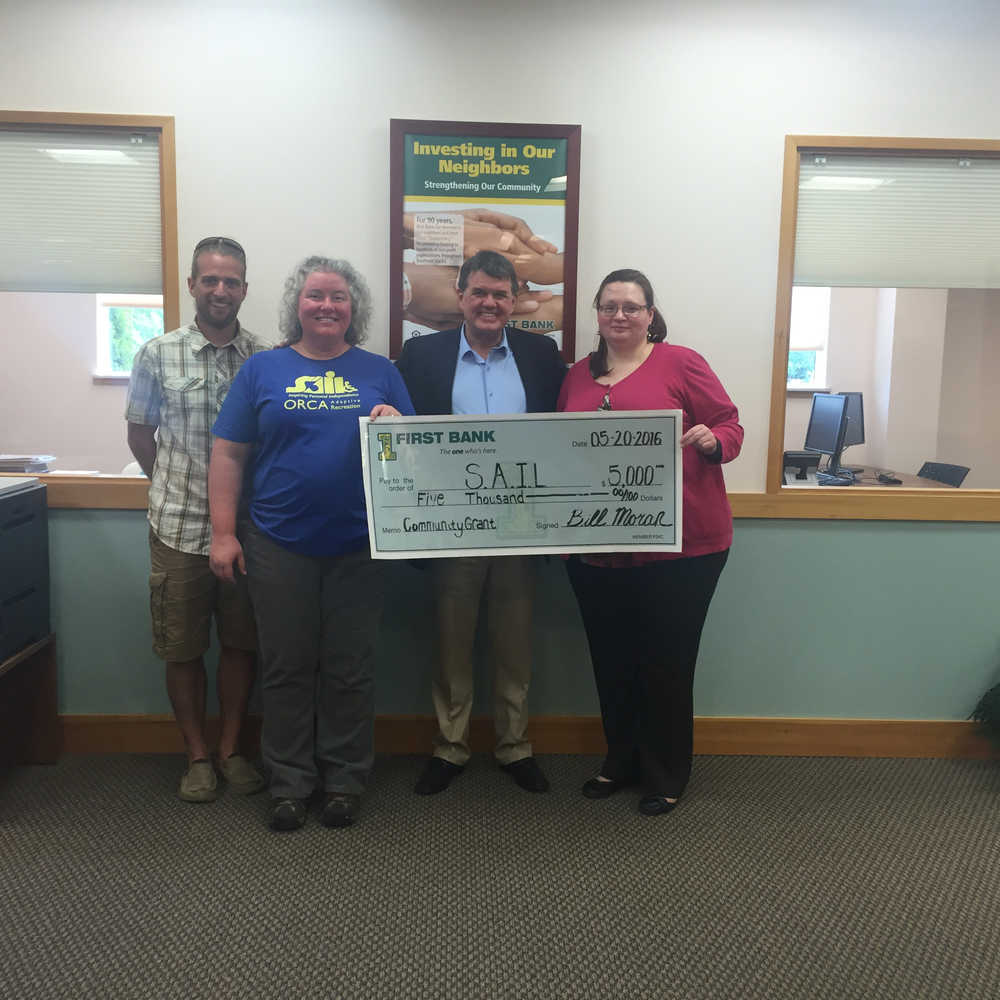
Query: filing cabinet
{"x": 24, "y": 565}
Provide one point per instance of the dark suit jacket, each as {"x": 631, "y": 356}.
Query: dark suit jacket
{"x": 428, "y": 364}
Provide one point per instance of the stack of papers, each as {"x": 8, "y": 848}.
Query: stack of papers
{"x": 25, "y": 463}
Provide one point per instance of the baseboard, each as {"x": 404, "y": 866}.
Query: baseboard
{"x": 773, "y": 737}
{"x": 406, "y": 734}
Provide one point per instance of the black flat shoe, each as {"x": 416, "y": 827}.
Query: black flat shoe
{"x": 527, "y": 774}
{"x": 340, "y": 809}
{"x": 602, "y": 788}
{"x": 437, "y": 775}
{"x": 287, "y": 815}
{"x": 656, "y": 805}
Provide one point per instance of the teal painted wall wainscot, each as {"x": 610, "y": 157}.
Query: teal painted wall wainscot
{"x": 827, "y": 619}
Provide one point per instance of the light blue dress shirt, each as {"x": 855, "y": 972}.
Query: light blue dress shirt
{"x": 487, "y": 385}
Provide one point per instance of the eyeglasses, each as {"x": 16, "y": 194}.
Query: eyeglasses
{"x": 630, "y": 309}
{"x": 605, "y": 403}
{"x": 220, "y": 241}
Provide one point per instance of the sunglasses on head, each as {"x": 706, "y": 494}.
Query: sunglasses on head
{"x": 225, "y": 241}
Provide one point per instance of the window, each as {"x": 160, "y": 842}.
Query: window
{"x": 124, "y": 324}
{"x": 807, "y": 334}
{"x": 897, "y": 243}
{"x": 88, "y": 249}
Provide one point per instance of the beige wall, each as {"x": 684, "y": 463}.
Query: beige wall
{"x": 282, "y": 117}
{"x": 877, "y": 412}
{"x": 969, "y": 432}
{"x": 917, "y": 360}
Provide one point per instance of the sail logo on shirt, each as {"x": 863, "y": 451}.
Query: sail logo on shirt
{"x": 330, "y": 384}
{"x": 329, "y": 391}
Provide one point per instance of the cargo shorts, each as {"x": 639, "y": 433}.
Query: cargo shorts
{"x": 184, "y": 594}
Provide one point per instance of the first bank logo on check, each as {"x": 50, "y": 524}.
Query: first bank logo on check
{"x": 429, "y": 437}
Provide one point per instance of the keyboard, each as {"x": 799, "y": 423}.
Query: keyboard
{"x": 826, "y": 479}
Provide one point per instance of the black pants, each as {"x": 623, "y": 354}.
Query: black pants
{"x": 644, "y": 626}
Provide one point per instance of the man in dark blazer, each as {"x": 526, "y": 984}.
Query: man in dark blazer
{"x": 483, "y": 366}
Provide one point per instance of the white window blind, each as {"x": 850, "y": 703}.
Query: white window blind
{"x": 80, "y": 210}
{"x": 898, "y": 221}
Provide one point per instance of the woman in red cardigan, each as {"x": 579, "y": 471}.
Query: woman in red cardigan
{"x": 643, "y": 612}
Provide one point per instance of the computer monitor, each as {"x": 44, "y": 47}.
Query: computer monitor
{"x": 825, "y": 435}
{"x": 855, "y": 433}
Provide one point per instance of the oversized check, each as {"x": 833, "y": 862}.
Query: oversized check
{"x": 523, "y": 484}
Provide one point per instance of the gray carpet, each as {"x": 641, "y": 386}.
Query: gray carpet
{"x": 775, "y": 878}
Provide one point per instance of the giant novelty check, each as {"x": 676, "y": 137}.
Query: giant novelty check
{"x": 523, "y": 484}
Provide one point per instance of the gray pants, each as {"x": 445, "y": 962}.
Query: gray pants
{"x": 316, "y": 625}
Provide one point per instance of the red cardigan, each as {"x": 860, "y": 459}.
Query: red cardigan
{"x": 674, "y": 378}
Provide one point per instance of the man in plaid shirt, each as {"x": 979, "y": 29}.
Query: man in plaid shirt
{"x": 178, "y": 383}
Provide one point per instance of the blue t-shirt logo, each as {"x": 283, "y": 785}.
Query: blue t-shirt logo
{"x": 329, "y": 391}
{"x": 330, "y": 384}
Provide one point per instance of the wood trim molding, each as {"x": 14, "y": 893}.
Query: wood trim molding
{"x": 412, "y": 734}
{"x": 893, "y": 144}
{"x": 849, "y": 503}
{"x": 833, "y": 503}
{"x": 168, "y": 226}
{"x": 775, "y": 737}
{"x": 782, "y": 315}
{"x": 131, "y": 493}
{"x": 84, "y": 118}
{"x": 93, "y": 492}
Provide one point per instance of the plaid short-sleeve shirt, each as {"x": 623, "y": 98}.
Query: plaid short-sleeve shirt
{"x": 178, "y": 383}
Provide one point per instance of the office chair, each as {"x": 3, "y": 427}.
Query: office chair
{"x": 950, "y": 475}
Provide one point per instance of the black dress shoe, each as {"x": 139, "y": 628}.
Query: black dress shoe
{"x": 527, "y": 774}
{"x": 340, "y": 809}
{"x": 601, "y": 788}
{"x": 437, "y": 776}
{"x": 287, "y": 814}
{"x": 656, "y": 805}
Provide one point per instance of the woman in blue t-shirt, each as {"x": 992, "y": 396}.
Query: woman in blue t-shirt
{"x": 317, "y": 594}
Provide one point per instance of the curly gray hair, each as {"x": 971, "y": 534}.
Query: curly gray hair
{"x": 357, "y": 287}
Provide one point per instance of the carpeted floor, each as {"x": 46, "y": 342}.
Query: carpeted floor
{"x": 775, "y": 878}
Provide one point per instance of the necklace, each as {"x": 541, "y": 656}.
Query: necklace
{"x": 625, "y": 367}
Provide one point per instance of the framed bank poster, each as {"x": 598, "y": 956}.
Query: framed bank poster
{"x": 460, "y": 187}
